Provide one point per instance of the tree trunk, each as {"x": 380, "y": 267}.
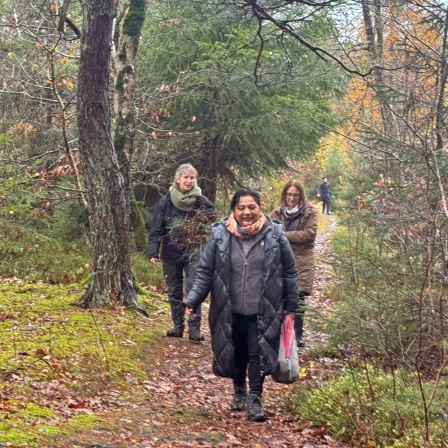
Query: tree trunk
{"x": 126, "y": 39}
{"x": 111, "y": 282}
{"x": 368, "y": 26}
{"x": 441, "y": 101}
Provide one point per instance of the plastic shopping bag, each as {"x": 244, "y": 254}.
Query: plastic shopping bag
{"x": 287, "y": 369}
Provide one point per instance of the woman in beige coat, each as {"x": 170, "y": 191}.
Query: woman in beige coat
{"x": 299, "y": 219}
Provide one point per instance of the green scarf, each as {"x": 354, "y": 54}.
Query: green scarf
{"x": 183, "y": 201}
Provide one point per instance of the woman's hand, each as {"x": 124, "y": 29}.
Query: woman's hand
{"x": 190, "y": 311}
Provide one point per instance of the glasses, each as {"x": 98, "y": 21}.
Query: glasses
{"x": 292, "y": 195}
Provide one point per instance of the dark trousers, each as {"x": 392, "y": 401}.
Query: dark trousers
{"x": 326, "y": 206}
{"x": 174, "y": 274}
{"x": 247, "y": 354}
{"x": 298, "y": 318}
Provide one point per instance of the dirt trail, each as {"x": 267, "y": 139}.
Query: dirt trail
{"x": 187, "y": 406}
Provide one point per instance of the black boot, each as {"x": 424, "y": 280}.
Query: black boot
{"x": 194, "y": 329}
{"x": 298, "y": 320}
{"x": 254, "y": 409}
{"x": 239, "y": 399}
{"x": 176, "y": 332}
{"x": 298, "y": 329}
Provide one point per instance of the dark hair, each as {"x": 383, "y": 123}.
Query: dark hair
{"x": 244, "y": 192}
{"x": 299, "y": 186}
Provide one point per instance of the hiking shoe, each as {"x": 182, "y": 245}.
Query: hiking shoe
{"x": 196, "y": 339}
{"x": 194, "y": 329}
{"x": 239, "y": 400}
{"x": 176, "y": 332}
{"x": 254, "y": 409}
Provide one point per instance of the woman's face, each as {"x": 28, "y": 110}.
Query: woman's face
{"x": 186, "y": 182}
{"x": 247, "y": 211}
{"x": 292, "y": 197}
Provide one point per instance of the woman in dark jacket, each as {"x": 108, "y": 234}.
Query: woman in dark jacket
{"x": 249, "y": 267}
{"x": 183, "y": 202}
{"x": 299, "y": 219}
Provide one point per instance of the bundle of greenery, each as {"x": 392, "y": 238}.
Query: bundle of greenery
{"x": 190, "y": 234}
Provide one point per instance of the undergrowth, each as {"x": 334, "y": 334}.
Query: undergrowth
{"x": 376, "y": 408}
{"x": 32, "y": 256}
{"x": 398, "y": 399}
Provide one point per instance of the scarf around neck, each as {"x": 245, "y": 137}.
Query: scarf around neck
{"x": 294, "y": 216}
{"x": 184, "y": 201}
{"x": 244, "y": 232}
{"x": 292, "y": 211}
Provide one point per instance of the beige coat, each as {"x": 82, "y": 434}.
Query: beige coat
{"x": 302, "y": 242}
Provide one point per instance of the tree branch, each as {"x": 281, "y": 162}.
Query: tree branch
{"x": 262, "y": 14}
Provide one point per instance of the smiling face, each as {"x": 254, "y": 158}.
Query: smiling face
{"x": 292, "y": 197}
{"x": 186, "y": 182}
{"x": 247, "y": 211}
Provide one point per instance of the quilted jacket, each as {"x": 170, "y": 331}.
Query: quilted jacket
{"x": 279, "y": 293}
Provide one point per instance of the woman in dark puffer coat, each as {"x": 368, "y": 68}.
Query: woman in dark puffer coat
{"x": 249, "y": 267}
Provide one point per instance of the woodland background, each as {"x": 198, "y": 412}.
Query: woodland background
{"x": 101, "y": 101}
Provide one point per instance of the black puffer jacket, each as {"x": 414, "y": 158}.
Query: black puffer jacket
{"x": 164, "y": 214}
{"x": 279, "y": 293}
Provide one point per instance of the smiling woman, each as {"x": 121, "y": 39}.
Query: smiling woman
{"x": 247, "y": 211}
{"x": 247, "y": 217}
{"x": 183, "y": 202}
{"x": 249, "y": 267}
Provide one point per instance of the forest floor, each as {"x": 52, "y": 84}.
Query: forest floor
{"x": 187, "y": 406}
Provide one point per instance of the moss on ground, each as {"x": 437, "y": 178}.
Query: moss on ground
{"x": 61, "y": 365}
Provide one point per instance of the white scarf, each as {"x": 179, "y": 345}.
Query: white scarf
{"x": 292, "y": 211}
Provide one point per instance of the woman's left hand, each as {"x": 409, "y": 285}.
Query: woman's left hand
{"x": 190, "y": 311}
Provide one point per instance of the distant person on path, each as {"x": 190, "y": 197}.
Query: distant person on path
{"x": 249, "y": 267}
{"x": 183, "y": 201}
{"x": 299, "y": 219}
{"x": 325, "y": 195}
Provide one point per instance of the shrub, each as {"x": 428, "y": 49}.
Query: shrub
{"x": 32, "y": 256}
{"x": 375, "y": 407}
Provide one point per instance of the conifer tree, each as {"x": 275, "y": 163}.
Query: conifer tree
{"x": 208, "y": 105}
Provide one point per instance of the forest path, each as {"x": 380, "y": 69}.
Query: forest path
{"x": 188, "y": 406}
